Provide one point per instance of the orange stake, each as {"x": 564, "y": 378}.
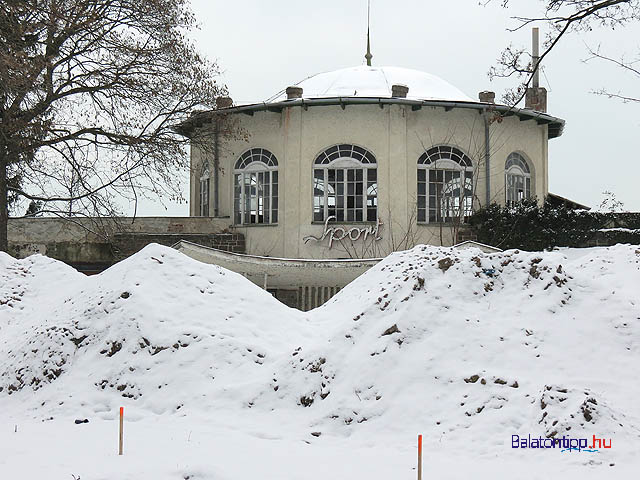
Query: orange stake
{"x": 121, "y": 424}
{"x": 419, "y": 457}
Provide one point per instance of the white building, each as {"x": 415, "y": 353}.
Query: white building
{"x": 359, "y": 162}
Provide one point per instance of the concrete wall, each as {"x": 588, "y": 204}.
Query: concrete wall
{"x": 397, "y": 136}
{"x": 93, "y": 244}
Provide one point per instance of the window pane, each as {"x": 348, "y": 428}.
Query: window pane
{"x": 236, "y": 200}
{"x": 345, "y": 193}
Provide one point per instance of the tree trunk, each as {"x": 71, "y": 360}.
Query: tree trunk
{"x": 4, "y": 207}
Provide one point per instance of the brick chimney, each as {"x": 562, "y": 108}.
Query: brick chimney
{"x": 536, "y": 96}
{"x": 294, "y": 92}
{"x": 487, "y": 96}
{"x": 536, "y": 99}
{"x": 399, "y": 91}
{"x": 224, "y": 102}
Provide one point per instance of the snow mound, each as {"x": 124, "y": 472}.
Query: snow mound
{"x": 459, "y": 341}
{"x": 158, "y": 320}
{"x": 462, "y": 346}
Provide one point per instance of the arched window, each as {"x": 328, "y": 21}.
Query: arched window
{"x": 518, "y": 178}
{"x": 204, "y": 192}
{"x": 255, "y": 191}
{"x": 445, "y": 185}
{"x": 345, "y": 185}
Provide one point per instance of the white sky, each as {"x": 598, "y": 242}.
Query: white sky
{"x": 262, "y": 47}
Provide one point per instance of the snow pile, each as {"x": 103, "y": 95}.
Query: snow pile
{"x": 463, "y": 344}
{"x": 156, "y": 328}
{"x": 466, "y": 348}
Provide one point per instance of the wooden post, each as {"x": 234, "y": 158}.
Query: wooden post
{"x": 121, "y": 436}
{"x": 419, "y": 457}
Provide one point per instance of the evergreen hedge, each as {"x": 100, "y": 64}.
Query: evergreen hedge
{"x": 529, "y": 226}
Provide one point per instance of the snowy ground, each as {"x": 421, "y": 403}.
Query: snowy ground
{"x": 219, "y": 381}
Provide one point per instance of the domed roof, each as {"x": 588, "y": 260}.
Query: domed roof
{"x": 376, "y": 82}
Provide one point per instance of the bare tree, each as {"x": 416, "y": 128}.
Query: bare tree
{"x": 631, "y": 66}
{"x": 395, "y": 235}
{"x": 610, "y": 203}
{"x": 90, "y": 93}
{"x": 564, "y": 17}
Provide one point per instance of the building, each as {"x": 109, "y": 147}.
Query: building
{"x": 307, "y": 190}
{"x": 359, "y": 162}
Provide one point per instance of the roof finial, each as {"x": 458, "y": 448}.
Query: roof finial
{"x": 368, "y": 56}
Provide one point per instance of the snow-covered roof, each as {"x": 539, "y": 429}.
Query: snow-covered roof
{"x": 364, "y": 81}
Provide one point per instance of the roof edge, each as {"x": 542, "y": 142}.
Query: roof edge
{"x": 558, "y": 199}
{"x": 556, "y": 125}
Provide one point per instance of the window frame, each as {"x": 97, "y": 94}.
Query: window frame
{"x": 204, "y": 194}
{"x": 255, "y": 163}
{"x": 513, "y": 168}
{"x": 446, "y": 159}
{"x": 339, "y": 161}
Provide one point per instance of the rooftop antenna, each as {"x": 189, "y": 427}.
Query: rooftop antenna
{"x": 368, "y": 56}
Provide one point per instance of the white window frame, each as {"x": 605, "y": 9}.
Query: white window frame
{"x": 204, "y": 193}
{"x": 455, "y": 161}
{"x": 345, "y": 158}
{"x": 514, "y": 172}
{"x": 254, "y": 163}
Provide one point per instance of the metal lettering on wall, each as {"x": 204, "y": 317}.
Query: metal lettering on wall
{"x": 341, "y": 233}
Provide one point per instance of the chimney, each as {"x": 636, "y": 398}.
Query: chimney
{"x": 224, "y": 102}
{"x": 294, "y": 92}
{"x": 535, "y": 56}
{"x": 536, "y": 96}
{"x": 487, "y": 96}
{"x": 399, "y": 91}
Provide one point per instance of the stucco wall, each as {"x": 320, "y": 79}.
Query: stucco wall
{"x": 397, "y": 136}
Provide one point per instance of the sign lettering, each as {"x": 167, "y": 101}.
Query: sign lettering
{"x": 340, "y": 233}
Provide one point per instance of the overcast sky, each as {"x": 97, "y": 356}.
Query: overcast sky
{"x": 263, "y": 46}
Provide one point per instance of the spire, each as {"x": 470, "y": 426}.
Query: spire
{"x": 368, "y": 56}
